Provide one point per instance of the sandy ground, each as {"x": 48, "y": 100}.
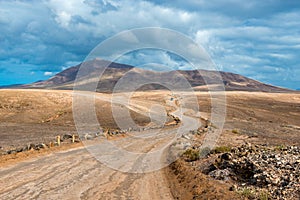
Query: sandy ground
{"x": 76, "y": 174}
{"x": 29, "y": 116}
{"x": 35, "y": 116}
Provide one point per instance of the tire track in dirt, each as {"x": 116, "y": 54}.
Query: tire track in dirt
{"x": 76, "y": 174}
{"x": 136, "y": 184}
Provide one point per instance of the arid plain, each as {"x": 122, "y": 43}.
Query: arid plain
{"x": 38, "y": 116}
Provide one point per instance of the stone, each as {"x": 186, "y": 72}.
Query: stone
{"x": 211, "y": 167}
{"x": 31, "y": 146}
{"x": 226, "y": 156}
{"x": 265, "y": 166}
{"x": 88, "y": 137}
{"x": 233, "y": 188}
{"x": 66, "y": 136}
{"x": 40, "y": 146}
{"x": 220, "y": 174}
{"x": 20, "y": 149}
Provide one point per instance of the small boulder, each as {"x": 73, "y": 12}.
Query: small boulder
{"x": 66, "y": 136}
{"x": 226, "y": 156}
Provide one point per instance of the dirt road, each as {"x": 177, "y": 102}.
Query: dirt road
{"x": 76, "y": 174}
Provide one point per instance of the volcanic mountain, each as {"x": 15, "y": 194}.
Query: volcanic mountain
{"x": 86, "y": 75}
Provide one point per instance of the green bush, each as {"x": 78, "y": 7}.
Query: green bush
{"x": 191, "y": 155}
{"x": 263, "y": 196}
{"x": 280, "y": 147}
{"x": 247, "y": 192}
{"x": 222, "y": 149}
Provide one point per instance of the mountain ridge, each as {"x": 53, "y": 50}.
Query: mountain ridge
{"x": 198, "y": 79}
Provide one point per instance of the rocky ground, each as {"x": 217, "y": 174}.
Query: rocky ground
{"x": 259, "y": 171}
{"x": 234, "y": 170}
{"x": 250, "y": 171}
{"x": 238, "y": 170}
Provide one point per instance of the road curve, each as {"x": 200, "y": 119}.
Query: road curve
{"x": 76, "y": 174}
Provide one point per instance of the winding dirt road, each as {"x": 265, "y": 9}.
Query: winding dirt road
{"x": 76, "y": 174}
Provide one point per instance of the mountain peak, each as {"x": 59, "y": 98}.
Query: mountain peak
{"x": 198, "y": 79}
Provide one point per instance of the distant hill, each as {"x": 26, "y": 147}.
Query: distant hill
{"x": 115, "y": 71}
{"x": 11, "y": 86}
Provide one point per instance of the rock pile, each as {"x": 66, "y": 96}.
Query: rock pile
{"x": 66, "y": 138}
{"x": 61, "y": 139}
{"x": 25, "y": 148}
{"x": 272, "y": 169}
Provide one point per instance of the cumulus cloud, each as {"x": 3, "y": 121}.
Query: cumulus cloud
{"x": 242, "y": 37}
{"x": 154, "y": 59}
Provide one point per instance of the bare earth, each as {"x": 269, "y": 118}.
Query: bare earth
{"x": 75, "y": 174}
{"x": 32, "y": 116}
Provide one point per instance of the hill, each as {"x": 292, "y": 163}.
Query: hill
{"x": 116, "y": 71}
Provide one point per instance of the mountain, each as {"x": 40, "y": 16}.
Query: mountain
{"x": 11, "y": 86}
{"x": 129, "y": 76}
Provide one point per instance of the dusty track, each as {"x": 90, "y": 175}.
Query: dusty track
{"x": 75, "y": 174}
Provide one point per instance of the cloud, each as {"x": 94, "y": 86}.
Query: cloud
{"x": 153, "y": 59}
{"x": 48, "y": 73}
{"x": 242, "y": 37}
{"x": 234, "y": 8}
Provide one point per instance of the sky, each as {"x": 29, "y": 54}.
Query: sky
{"x": 257, "y": 39}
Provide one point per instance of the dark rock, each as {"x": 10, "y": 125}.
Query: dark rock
{"x": 31, "y": 146}
{"x": 66, "y": 137}
{"x": 13, "y": 151}
{"x": 40, "y": 146}
{"x": 20, "y": 149}
{"x": 261, "y": 166}
{"x": 226, "y": 156}
{"x": 210, "y": 168}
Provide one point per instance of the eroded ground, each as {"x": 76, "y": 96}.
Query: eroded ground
{"x": 33, "y": 116}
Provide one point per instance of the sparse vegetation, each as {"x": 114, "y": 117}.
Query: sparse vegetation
{"x": 250, "y": 193}
{"x": 191, "y": 155}
{"x": 263, "y": 196}
{"x": 222, "y": 149}
{"x": 247, "y": 192}
{"x": 235, "y": 131}
{"x": 61, "y": 112}
{"x": 280, "y": 147}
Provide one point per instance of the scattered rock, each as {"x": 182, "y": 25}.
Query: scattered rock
{"x": 186, "y": 137}
{"x": 13, "y": 151}
{"x": 88, "y": 137}
{"x": 220, "y": 174}
{"x": 30, "y": 146}
{"x": 274, "y": 169}
{"x": 226, "y": 156}
{"x": 40, "y": 146}
{"x": 66, "y": 136}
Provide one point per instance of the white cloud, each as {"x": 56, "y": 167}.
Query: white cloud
{"x": 48, "y": 73}
{"x": 240, "y": 36}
